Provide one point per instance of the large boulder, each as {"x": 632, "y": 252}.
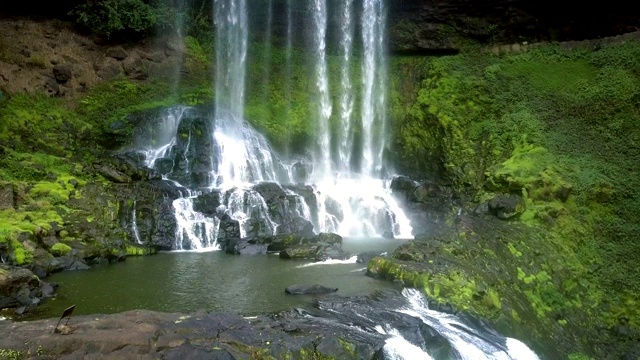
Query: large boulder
{"x": 319, "y": 248}
{"x": 507, "y": 206}
{"x": 20, "y": 287}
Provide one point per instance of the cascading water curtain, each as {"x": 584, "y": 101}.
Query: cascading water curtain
{"x": 323, "y": 150}
{"x": 373, "y": 86}
{"x": 345, "y": 135}
{"x": 231, "y": 55}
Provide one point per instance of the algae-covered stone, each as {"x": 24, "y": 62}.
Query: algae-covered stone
{"x": 136, "y": 250}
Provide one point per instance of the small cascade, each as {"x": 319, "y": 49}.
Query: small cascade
{"x": 363, "y": 207}
{"x": 397, "y": 348}
{"x": 244, "y": 159}
{"x": 195, "y": 231}
{"x": 300, "y": 206}
{"x": 134, "y": 224}
{"x": 328, "y": 216}
{"x": 413, "y": 331}
{"x": 162, "y": 137}
{"x": 323, "y": 146}
{"x": 469, "y": 342}
{"x": 249, "y": 208}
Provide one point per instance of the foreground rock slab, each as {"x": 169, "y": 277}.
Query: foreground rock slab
{"x": 142, "y": 334}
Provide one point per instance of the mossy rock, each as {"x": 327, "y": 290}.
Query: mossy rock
{"x": 60, "y": 249}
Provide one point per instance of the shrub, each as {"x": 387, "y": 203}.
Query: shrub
{"x": 105, "y": 17}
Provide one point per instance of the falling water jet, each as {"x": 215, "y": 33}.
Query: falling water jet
{"x": 345, "y": 143}
{"x": 374, "y": 87}
{"x": 230, "y": 19}
{"x": 323, "y": 146}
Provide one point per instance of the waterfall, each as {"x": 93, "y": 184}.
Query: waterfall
{"x": 195, "y": 231}
{"x": 374, "y": 86}
{"x": 346, "y": 96}
{"x": 267, "y": 53}
{"x": 287, "y": 66}
{"x": 323, "y": 147}
{"x": 134, "y": 224}
{"x": 220, "y": 153}
{"x": 232, "y": 32}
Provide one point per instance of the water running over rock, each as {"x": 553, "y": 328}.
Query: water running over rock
{"x": 235, "y": 185}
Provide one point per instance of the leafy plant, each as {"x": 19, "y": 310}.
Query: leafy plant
{"x": 106, "y": 17}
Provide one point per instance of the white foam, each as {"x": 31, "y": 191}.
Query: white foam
{"x": 351, "y": 260}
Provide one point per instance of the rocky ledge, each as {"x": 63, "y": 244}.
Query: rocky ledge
{"x": 334, "y": 328}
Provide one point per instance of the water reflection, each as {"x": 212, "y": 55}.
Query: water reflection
{"x": 214, "y": 281}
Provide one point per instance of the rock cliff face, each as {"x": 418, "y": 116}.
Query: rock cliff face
{"x": 427, "y": 26}
{"x": 424, "y": 26}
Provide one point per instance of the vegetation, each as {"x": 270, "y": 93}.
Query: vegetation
{"x": 559, "y": 128}
{"x": 126, "y": 18}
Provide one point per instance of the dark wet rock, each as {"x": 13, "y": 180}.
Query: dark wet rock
{"x": 51, "y": 86}
{"x": 507, "y": 206}
{"x": 403, "y": 186}
{"x": 296, "y": 225}
{"x": 330, "y": 238}
{"x": 482, "y": 209}
{"x": 281, "y": 208}
{"x": 246, "y": 246}
{"x": 112, "y": 175}
{"x": 426, "y": 191}
{"x": 20, "y": 287}
{"x": 208, "y": 203}
{"x": 329, "y": 329}
{"x": 300, "y": 289}
{"x": 422, "y": 27}
{"x": 229, "y": 229}
{"x": 271, "y": 192}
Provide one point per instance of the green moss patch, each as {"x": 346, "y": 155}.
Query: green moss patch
{"x": 60, "y": 249}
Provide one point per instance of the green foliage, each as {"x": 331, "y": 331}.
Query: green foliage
{"x": 11, "y": 354}
{"x": 105, "y": 17}
{"x": 560, "y": 128}
{"x": 280, "y": 110}
{"x": 115, "y": 100}
{"x": 195, "y": 50}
